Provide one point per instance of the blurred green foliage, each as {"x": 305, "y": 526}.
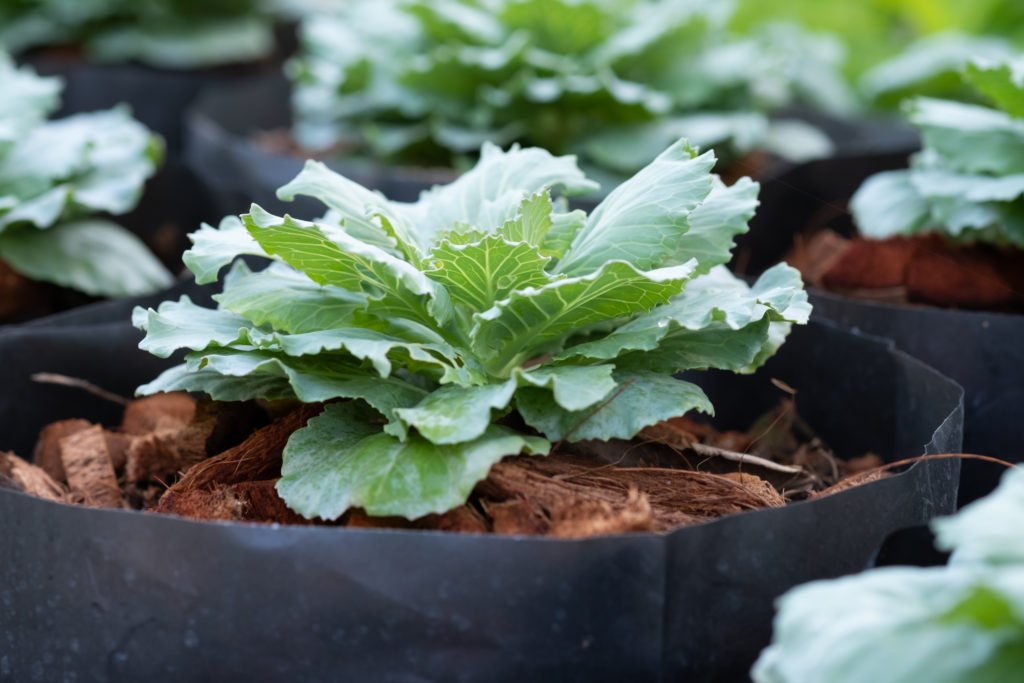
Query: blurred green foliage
{"x": 166, "y": 33}
{"x": 877, "y": 29}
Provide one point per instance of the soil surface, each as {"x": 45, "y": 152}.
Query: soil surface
{"x": 921, "y": 269}
{"x": 174, "y": 454}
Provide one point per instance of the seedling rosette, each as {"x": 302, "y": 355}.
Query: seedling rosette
{"x": 483, "y": 321}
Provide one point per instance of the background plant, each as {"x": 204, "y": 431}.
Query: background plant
{"x": 482, "y": 306}
{"x": 962, "y": 622}
{"x": 968, "y": 182}
{"x": 57, "y": 181}
{"x": 877, "y": 30}
{"x": 166, "y": 33}
{"x": 615, "y": 81}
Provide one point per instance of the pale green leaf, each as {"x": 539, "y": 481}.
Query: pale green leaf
{"x": 313, "y": 382}
{"x": 335, "y": 463}
{"x": 214, "y": 248}
{"x": 219, "y": 387}
{"x": 492, "y": 192}
{"x": 532, "y": 222}
{"x": 455, "y": 414}
{"x": 531, "y": 320}
{"x": 354, "y": 205}
{"x": 574, "y": 387}
{"x": 715, "y": 223}
{"x": 340, "y": 260}
{"x": 481, "y": 273}
{"x": 181, "y": 324}
{"x": 96, "y": 257}
{"x": 640, "y": 400}
{"x": 1003, "y": 83}
{"x": 987, "y": 532}
{"x": 641, "y": 221}
{"x": 286, "y": 300}
{"x": 717, "y": 322}
{"x": 365, "y": 344}
{"x": 564, "y": 228}
{"x": 889, "y": 204}
{"x": 969, "y": 138}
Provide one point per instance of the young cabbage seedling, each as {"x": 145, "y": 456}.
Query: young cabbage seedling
{"x": 440, "y": 318}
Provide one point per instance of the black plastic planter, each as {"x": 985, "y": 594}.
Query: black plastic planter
{"x": 102, "y": 595}
{"x": 982, "y": 351}
{"x": 237, "y": 170}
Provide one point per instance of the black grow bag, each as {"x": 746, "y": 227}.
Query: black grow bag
{"x": 982, "y": 351}
{"x": 221, "y": 149}
{"x": 106, "y": 595}
{"x": 238, "y": 171}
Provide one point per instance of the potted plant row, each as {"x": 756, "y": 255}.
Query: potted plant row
{"x": 432, "y": 432}
{"x": 931, "y": 256}
{"x": 400, "y": 95}
{"x": 155, "y": 56}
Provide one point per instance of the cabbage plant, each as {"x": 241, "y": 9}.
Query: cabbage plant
{"x": 616, "y": 81}
{"x": 963, "y": 622}
{"x": 482, "y": 321}
{"x": 179, "y": 34}
{"x": 968, "y": 182}
{"x": 59, "y": 180}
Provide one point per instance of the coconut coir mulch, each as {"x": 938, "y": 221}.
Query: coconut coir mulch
{"x": 923, "y": 269}
{"x": 220, "y": 461}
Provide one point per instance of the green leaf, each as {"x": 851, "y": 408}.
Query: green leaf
{"x": 717, "y": 322}
{"x": 532, "y": 222}
{"x": 930, "y": 66}
{"x": 312, "y": 381}
{"x": 286, "y": 300}
{"x": 1003, "y": 83}
{"x": 340, "y": 260}
{"x": 335, "y": 463}
{"x": 493, "y": 192}
{"x": 889, "y": 204}
{"x": 219, "y": 387}
{"x": 27, "y": 101}
{"x": 366, "y": 344}
{"x": 456, "y": 414}
{"x": 534, "y": 319}
{"x": 481, "y": 273}
{"x": 214, "y": 248}
{"x": 640, "y": 400}
{"x": 190, "y": 45}
{"x": 574, "y": 387}
{"x": 183, "y": 325}
{"x": 987, "y": 532}
{"x": 969, "y": 138}
{"x": 564, "y": 228}
{"x": 96, "y": 257}
{"x": 86, "y": 163}
{"x": 354, "y": 205}
{"x": 715, "y": 223}
{"x": 642, "y": 220}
